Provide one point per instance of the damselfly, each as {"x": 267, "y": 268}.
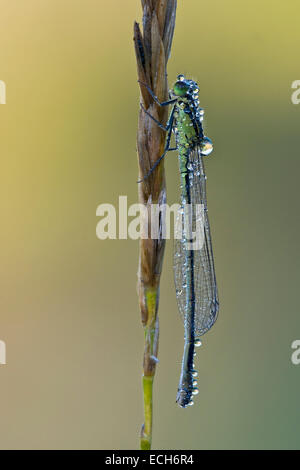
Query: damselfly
{"x": 195, "y": 280}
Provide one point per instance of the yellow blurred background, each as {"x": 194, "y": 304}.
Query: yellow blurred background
{"x": 69, "y": 312}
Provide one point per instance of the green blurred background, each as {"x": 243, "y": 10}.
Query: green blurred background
{"x": 69, "y": 312}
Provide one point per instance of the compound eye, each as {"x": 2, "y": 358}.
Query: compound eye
{"x": 181, "y": 88}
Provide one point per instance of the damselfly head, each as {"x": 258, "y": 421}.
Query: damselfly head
{"x": 184, "y": 87}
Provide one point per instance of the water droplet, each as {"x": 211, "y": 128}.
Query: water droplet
{"x": 206, "y": 146}
{"x": 154, "y": 359}
{"x": 195, "y": 383}
{"x": 191, "y": 403}
{"x": 197, "y": 343}
{"x": 201, "y": 111}
{"x": 195, "y": 391}
{"x": 180, "y": 77}
{"x": 196, "y": 90}
{"x": 194, "y": 373}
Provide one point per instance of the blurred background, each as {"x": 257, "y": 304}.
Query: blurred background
{"x": 69, "y": 311}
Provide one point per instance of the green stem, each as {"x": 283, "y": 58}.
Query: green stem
{"x": 150, "y": 360}
{"x": 146, "y": 436}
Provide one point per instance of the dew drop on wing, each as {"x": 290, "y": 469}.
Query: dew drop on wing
{"x": 206, "y": 146}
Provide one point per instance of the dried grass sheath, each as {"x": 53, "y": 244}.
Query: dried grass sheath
{"x": 152, "y": 48}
